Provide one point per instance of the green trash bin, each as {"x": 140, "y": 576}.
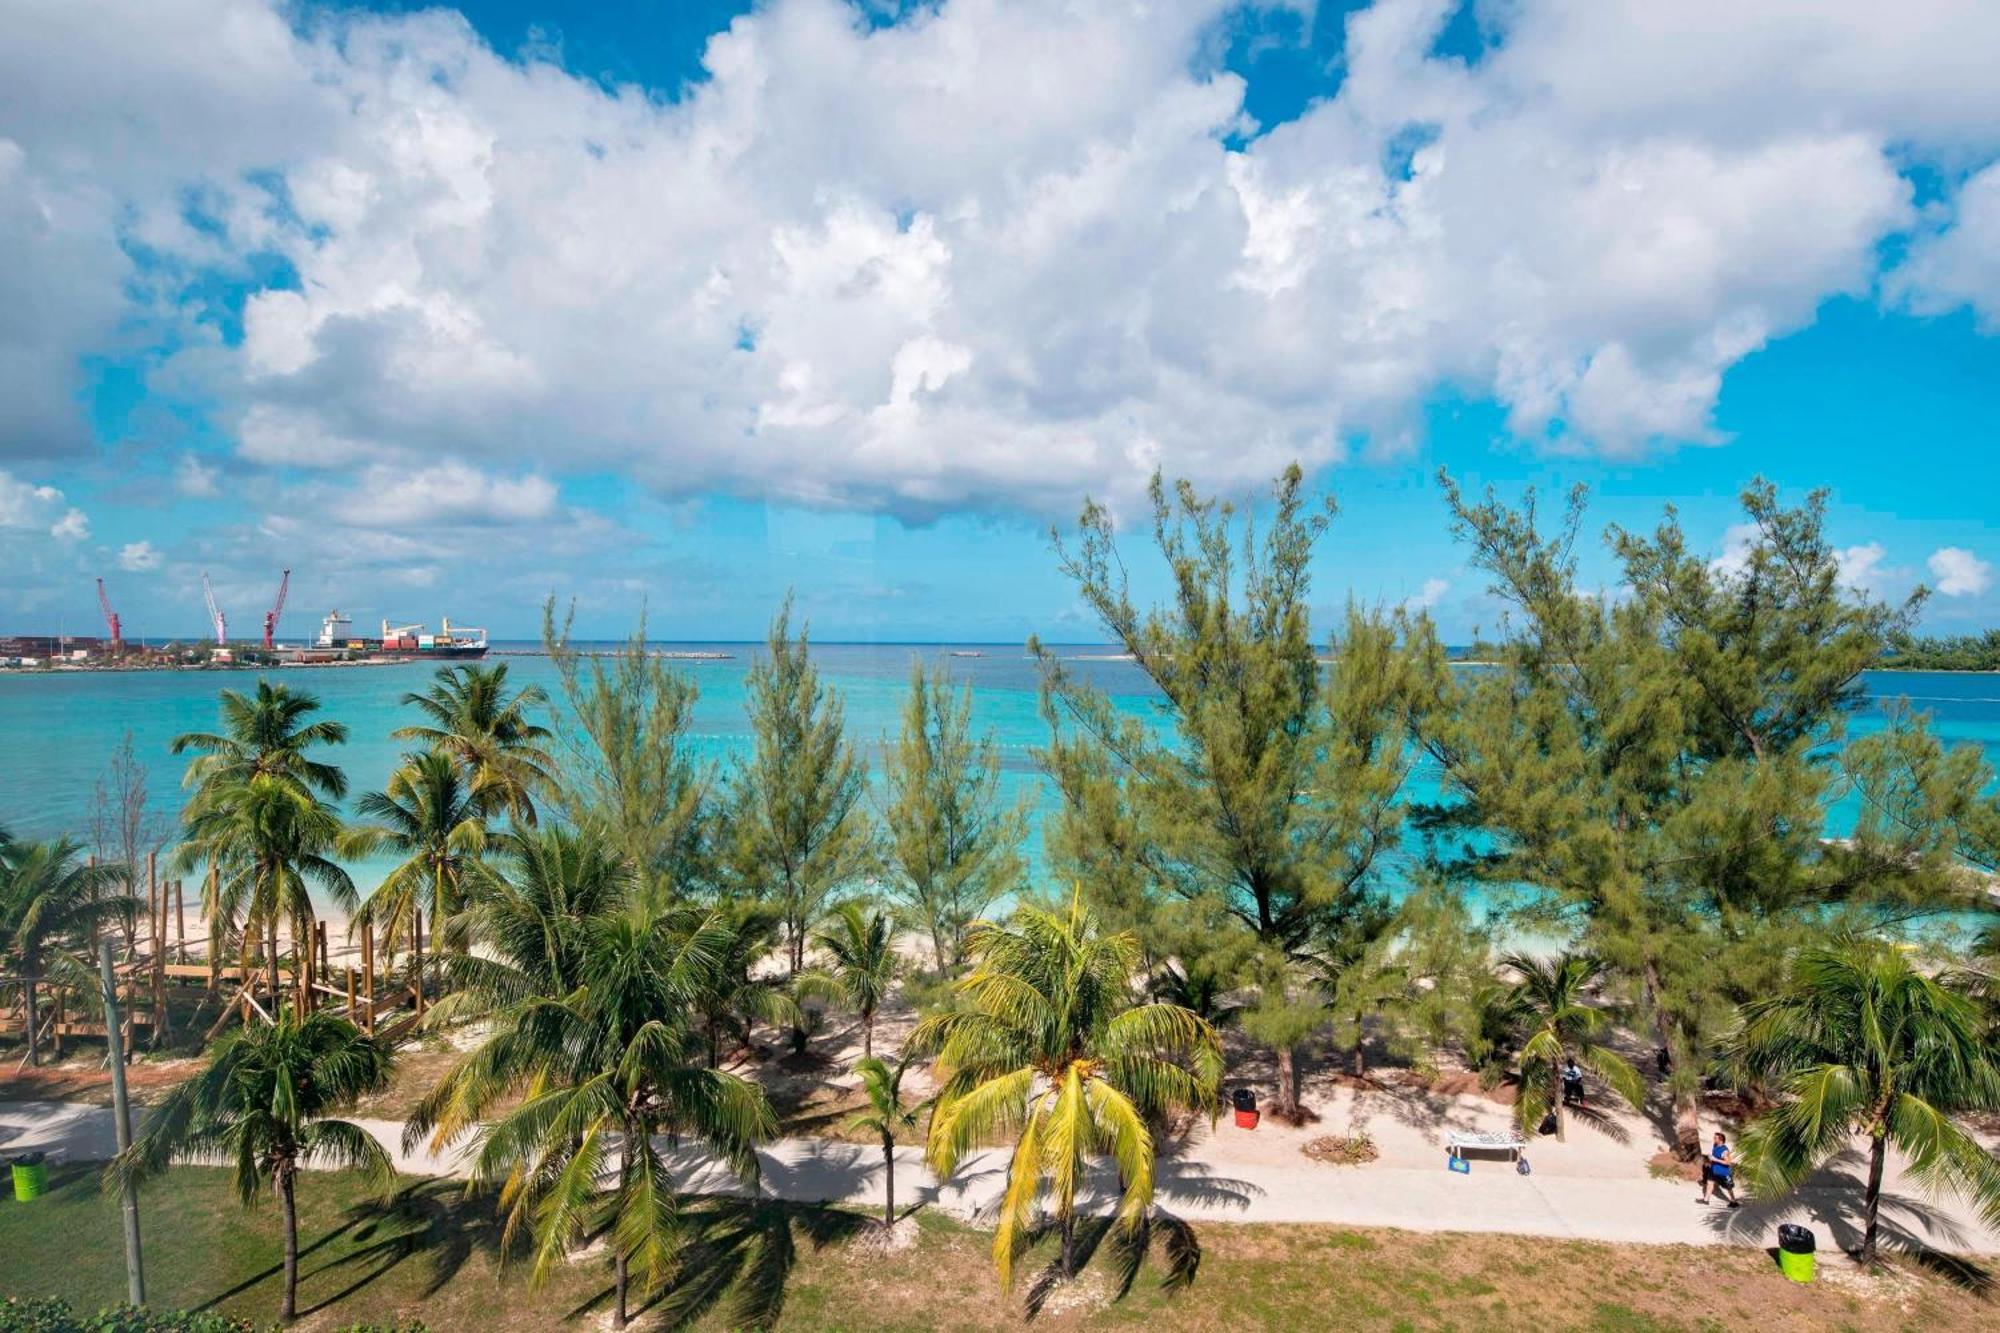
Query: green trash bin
{"x": 31, "y": 1176}
{"x": 1795, "y": 1252}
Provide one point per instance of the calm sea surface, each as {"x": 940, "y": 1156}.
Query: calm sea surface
{"x": 57, "y": 731}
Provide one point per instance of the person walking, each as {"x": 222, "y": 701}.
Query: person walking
{"x": 1719, "y": 1171}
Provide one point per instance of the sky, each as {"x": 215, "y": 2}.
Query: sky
{"x": 679, "y": 304}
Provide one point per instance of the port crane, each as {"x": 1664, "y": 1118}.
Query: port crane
{"x": 215, "y": 613}
{"x": 111, "y": 620}
{"x": 277, "y": 609}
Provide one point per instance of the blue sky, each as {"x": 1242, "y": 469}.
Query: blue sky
{"x": 447, "y": 310}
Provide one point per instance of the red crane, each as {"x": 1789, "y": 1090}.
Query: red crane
{"x": 277, "y": 609}
{"x": 111, "y": 619}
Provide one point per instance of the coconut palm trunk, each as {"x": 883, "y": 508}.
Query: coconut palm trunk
{"x": 1556, "y": 1100}
{"x": 888, "y": 1181}
{"x": 621, "y": 1262}
{"x": 1871, "y": 1201}
{"x": 288, "y": 1309}
{"x": 34, "y": 1020}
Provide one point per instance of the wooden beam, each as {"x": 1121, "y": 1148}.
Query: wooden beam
{"x": 368, "y": 971}
{"x": 417, "y": 935}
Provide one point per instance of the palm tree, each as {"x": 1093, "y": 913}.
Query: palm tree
{"x": 734, "y": 997}
{"x": 1198, "y": 988}
{"x": 428, "y": 814}
{"x": 490, "y": 733}
{"x": 264, "y": 1103}
{"x": 610, "y": 1063}
{"x": 1052, "y": 1051}
{"x": 888, "y": 1116}
{"x": 528, "y": 935}
{"x": 1861, "y": 1042}
{"x": 1550, "y": 1001}
{"x": 262, "y": 816}
{"x": 863, "y": 967}
{"x": 50, "y": 899}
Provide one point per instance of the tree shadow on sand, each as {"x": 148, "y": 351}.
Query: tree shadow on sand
{"x": 1908, "y": 1226}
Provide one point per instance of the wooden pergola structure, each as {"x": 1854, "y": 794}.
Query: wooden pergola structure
{"x": 386, "y": 1002}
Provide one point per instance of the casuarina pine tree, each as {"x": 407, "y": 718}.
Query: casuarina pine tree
{"x": 801, "y": 833}
{"x": 1247, "y": 814}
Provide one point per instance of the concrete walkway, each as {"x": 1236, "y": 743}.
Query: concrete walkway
{"x": 1233, "y": 1175}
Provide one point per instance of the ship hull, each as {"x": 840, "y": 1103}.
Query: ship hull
{"x": 471, "y": 653}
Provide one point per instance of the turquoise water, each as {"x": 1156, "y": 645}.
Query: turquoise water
{"x": 57, "y": 731}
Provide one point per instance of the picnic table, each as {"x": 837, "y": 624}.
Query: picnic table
{"x": 1458, "y": 1141}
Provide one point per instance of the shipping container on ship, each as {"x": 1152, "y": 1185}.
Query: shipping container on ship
{"x": 337, "y": 642}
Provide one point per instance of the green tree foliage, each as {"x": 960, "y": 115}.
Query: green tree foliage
{"x": 264, "y": 1104}
{"x": 492, "y": 734}
{"x": 951, "y": 848}
{"x": 1252, "y": 813}
{"x": 432, "y": 816}
{"x": 801, "y": 834}
{"x": 1551, "y": 1005}
{"x": 603, "y": 1070}
{"x": 888, "y": 1117}
{"x": 1660, "y": 765}
{"x": 1860, "y": 1043}
{"x": 1053, "y": 1052}
{"x": 51, "y": 903}
{"x": 529, "y": 933}
{"x": 1944, "y": 652}
{"x": 262, "y": 814}
{"x": 861, "y": 963}
{"x": 736, "y": 996}
{"x": 51, "y": 1315}
{"x": 628, "y": 771}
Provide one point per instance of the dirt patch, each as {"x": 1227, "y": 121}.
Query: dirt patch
{"x": 1342, "y": 1150}
{"x": 86, "y": 1078}
{"x": 1667, "y": 1165}
{"x": 1455, "y": 1083}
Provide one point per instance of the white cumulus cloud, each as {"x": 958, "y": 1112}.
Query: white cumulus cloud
{"x": 878, "y": 268}
{"x": 450, "y": 493}
{"x": 1861, "y": 566}
{"x": 138, "y": 556}
{"x": 28, "y": 505}
{"x": 1957, "y": 572}
{"x": 875, "y": 267}
{"x": 1427, "y": 596}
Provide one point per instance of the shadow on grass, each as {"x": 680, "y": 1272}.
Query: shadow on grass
{"x": 739, "y": 1257}
{"x": 1125, "y": 1253}
{"x": 432, "y": 1219}
{"x": 1959, "y": 1270}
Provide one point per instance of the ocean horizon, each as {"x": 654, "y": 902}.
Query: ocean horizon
{"x": 62, "y": 728}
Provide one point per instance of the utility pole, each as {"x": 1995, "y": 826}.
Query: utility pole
{"x": 121, "y": 1115}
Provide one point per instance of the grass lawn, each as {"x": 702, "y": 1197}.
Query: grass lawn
{"x": 427, "y": 1254}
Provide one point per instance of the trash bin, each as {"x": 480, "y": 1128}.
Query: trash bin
{"x": 31, "y": 1176}
{"x": 1245, "y": 1102}
{"x": 1795, "y": 1251}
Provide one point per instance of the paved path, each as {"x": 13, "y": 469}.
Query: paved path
{"x": 1493, "y": 1198}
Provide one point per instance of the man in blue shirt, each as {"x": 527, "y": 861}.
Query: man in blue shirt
{"x": 1719, "y": 1171}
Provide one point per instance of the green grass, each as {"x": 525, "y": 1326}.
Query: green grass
{"x": 430, "y": 1254}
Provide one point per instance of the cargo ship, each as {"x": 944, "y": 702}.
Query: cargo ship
{"x": 337, "y": 642}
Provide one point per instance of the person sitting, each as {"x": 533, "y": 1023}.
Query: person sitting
{"x": 1572, "y": 1080}
{"x": 1719, "y": 1171}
